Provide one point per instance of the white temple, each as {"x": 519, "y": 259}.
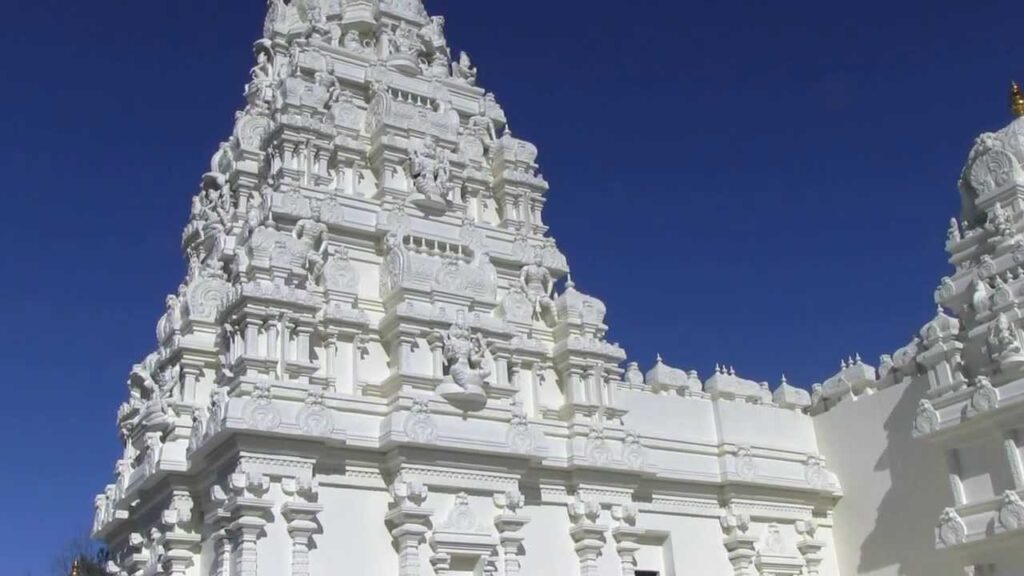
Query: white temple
{"x": 378, "y": 365}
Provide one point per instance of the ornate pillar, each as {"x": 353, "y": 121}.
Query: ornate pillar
{"x": 409, "y": 523}
{"x": 301, "y": 512}
{"x": 588, "y": 535}
{"x": 738, "y": 543}
{"x": 626, "y": 535}
{"x": 509, "y": 523}
{"x": 809, "y": 547}
{"x": 245, "y": 504}
{"x": 180, "y": 540}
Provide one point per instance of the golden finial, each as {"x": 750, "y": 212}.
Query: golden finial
{"x": 76, "y": 567}
{"x": 1016, "y": 100}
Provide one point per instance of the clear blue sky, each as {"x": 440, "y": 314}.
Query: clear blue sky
{"x": 764, "y": 184}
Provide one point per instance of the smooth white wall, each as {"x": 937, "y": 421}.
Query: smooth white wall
{"x": 895, "y": 486}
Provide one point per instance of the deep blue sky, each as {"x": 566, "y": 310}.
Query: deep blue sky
{"x": 765, "y": 184}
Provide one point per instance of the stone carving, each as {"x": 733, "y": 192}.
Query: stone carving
{"x": 264, "y": 76}
{"x": 339, "y": 274}
{"x": 314, "y": 418}
{"x": 952, "y": 530}
{"x": 154, "y": 442}
{"x": 520, "y": 438}
{"x": 464, "y": 355}
{"x": 516, "y": 305}
{"x": 419, "y": 424}
{"x": 259, "y": 412}
{"x": 634, "y": 378}
{"x": 461, "y": 517}
{"x": 817, "y": 475}
{"x": 1011, "y": 513}
{"x": 746, "y": 466}
{"x": 985, "y": 397}
{"x": 633, "y": 453}
{"x": 430, "y": 170}
{"x": 597, "y": 450}
{"x": 1004, "y": 343}
{"x": 536, "y": 281}
{"x": 664, "y": 379}
{"x": 927, "y": 419}
{"x": 169, "y": 325}
{"x": 464, "y": 70}
{"x": 312, "y": 234}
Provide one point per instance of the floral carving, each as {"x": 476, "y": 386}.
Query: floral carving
{"x": 314, "y": 418}
{"x": 419, "y": 424}
{"x": 952, "y": 530}
{"x": 259, "y": 412}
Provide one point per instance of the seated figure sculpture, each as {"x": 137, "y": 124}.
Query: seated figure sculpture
{"x": 431, "y": 175}
{"x": 464, "y": 355}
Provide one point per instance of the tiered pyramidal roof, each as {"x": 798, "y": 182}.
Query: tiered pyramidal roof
{"x": 370, "y": 284}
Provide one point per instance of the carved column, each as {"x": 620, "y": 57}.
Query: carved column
{"x": 301, "y": 512}
{"x": 738, "y": 543}
{"x": 588, "y": 535}
{"x": 409, "y": 523}
{"x": 809, "y": 547}
{"x": 509, "y": 523}
{"x": 180, "y": 540}
{"x": 626, "y": 535}
{"x": 250, "y": 511}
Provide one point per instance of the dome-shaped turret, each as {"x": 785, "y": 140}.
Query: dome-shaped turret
{"x": 994, "y": 166}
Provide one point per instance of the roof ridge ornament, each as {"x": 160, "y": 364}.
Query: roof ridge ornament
{"x": 1016, "y": 99}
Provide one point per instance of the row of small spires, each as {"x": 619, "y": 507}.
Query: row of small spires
{"x": 850, "y": 362}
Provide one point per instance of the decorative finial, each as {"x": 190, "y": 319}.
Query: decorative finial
{"x": 1016, "y": 100}
{"x": 76, "y": 567}
{"x": 784, "y": 382}
{"x": 659, "y": 359}
{"x": 569, "y": 284}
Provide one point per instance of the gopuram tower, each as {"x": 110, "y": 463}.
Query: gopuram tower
{"x": 378, "y": 364}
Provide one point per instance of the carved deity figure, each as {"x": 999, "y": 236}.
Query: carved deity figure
{"x": 170, "y": 324}
{"x": 999, "y": 222}
{"x": 464, "y": 353}
{"x": 431, "y": 171}
{"x": 482, "y": 127}
{"x": 1004, "y": 342}
{"x": 313, "y": 235}
{"x": 433, "y": 33}
{"x": 464, "y": 69}
{"x": 147, "y": 405}
{"x": 536, "y": 280}
{"x": 263, "y": 74}
{"x": 214, "y": 211}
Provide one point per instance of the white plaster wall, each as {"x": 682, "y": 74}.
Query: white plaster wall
{"x": 895, "y": 486}
{"x": 355, "y": 539}
{"x": 549, "y": 549}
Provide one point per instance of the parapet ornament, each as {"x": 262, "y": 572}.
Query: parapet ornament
{"x": 927, "y": 419}
{"x": 952, "y": 530}
{"x": 1011, "y": 513}
{"x": 985, "y": 397}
